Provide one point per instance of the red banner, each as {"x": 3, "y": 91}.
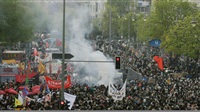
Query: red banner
{"x": 56, "y": 84}
{"x": 22, "y": 78}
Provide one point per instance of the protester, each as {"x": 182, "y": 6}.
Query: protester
{"x": 160, "y": 90}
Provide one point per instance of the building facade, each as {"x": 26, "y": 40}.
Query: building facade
{"x": 96, "y": 7}
{"x": 193, "y": 1}
{"x": 143, "y": 6}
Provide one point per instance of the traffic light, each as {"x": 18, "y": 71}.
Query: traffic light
{"x": 62, "y": 102}
{"x": 117, "y": 62}
{"x": 62, "y": 105}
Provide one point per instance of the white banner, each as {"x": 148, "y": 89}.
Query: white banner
{"x": 116, "y": 94}
{"x": 70, "y": 98}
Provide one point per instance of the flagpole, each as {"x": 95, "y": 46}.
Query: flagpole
{"x": 27, "y": 72}
{"x": 63, "y": 53}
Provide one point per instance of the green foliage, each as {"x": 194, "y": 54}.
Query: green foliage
{"x": 96, "y": 28}
{"x": 183, "y": 38}
{"x": 20, "y": 20}
{"x": 170, "y": 21}
{"x": 122, "y": 6}
{"x": 142, "y": 28}
{"x": 119, "y": 11}
{"x": 165, "y": 15}
{"x": 15, "y": 25}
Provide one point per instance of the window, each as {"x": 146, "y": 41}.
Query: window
{"x": 96, "y": 7}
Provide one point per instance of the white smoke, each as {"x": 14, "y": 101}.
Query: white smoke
{"x": 94, "y": 72}
{"x": 78, "y": 23}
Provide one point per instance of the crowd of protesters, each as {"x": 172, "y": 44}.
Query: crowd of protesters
{"x": 175, "y": 89}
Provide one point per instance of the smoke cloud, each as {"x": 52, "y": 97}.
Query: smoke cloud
{"x": 78, "y": 23}
{"x": 96, "y": 73}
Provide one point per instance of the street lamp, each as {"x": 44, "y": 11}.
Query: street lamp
{"x": 110, "y": 26}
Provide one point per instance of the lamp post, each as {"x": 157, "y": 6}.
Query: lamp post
{"x": 110, "y": 16}
{"x": 121, "y": 26}
{"x": 128, "y": 28}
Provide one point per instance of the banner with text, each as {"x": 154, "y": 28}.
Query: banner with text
{"x": 117, "y": 94}
{"x": 56, "y": 84}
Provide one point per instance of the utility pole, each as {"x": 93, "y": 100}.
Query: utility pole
{"x": 63, "y": 53}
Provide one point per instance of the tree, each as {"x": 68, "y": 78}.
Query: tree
{"x": 127, "y": 26}
{"x": 20, "y": 20}
{"x": 142, "y": 28}
{"x": 164, "y": 16}
{"x": 183, "y": 38}
{"x": 15, "y": 24}
{"x": 105, "y": 20}
{"x": 96, "y": 28}
{"x": 119, "y": 10}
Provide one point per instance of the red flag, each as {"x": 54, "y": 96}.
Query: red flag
{"x": 22, "y": 87}
{"x": 159, "y": 61}
{"x": 156, "y": 58}
{"x": 2, "y": 92}
{"x": 22, "y": 78}
{"x": 160, "y": 64}
{"x": 11, "y": 90}
{"x": 36, "y": 89}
